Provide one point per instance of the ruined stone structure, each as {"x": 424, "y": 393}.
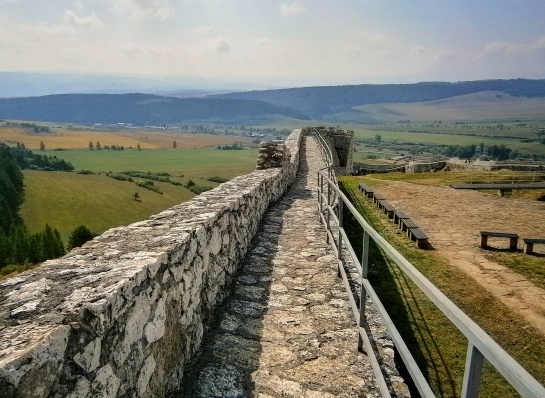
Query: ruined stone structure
{"x": 342, "y": 145}
{"x": 122, "y": 315}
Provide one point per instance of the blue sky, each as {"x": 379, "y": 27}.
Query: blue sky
{"x": 281, "y": 43}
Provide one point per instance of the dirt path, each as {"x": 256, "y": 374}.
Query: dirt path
{"x": 453, "y": 219}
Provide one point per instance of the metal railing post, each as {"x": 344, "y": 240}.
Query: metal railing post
{"x": 328, "y": 211}
{"x": 472, "y": 374}
{"x": 320, "y": 192}
{"x": 363, "y": 293}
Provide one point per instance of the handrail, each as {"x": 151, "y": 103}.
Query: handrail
{"x": 480, "y": 345}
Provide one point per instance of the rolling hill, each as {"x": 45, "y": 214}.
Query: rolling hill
{"x": 140, "y": 109}
{"x": 339, "y": 103}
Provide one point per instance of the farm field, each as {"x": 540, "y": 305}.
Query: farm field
{"x": 486, "y": 105}
{"x": 191, "y": 163}
{"x": 68, "y": 200}
{"x": 67, "y": 137}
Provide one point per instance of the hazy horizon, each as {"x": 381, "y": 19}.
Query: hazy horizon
{"x": 272, "y": 44}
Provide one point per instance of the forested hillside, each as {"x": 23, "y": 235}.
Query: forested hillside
{"x": 141, "y": 109}
{"x": 317, "y": 101}
{"x": 246, "y": 107}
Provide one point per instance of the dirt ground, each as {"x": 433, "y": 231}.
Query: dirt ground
{"x": 453, "y": 220}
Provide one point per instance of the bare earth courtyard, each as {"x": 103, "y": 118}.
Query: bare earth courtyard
{"x": 453, "y": 220}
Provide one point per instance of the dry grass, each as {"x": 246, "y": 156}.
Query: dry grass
{"x": 471, "y": 107}
{"x": 68, "y": 138}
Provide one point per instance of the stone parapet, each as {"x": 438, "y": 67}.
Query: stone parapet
{"x": 123, "y": 314}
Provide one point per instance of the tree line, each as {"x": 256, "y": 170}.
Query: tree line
{"x": 17, "y": 245}
{"x": 28, "y": 160}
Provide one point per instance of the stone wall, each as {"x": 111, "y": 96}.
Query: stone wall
{"x": 121, "y": 316}
{"x": 341, "y": 144}
{"x": 415, "y": 167}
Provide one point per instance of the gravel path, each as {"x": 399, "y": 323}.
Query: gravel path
{"x": 287, "y": 330}
{"x": 454, "y": 218}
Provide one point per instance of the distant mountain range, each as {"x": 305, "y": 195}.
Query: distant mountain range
{"x": 251, "y": 106}
{"x": 315, "y": 102}
{"x": 138, "y": 109}
{"x": 32, "y": 84}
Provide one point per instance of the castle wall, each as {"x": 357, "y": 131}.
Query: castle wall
{"x": 122, "y": 315}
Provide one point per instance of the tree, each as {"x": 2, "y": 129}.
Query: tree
{"x": 42, "y": 146}
{"x": 79, "y": 236}
{"x": 138, "y": 147}
{"x": 91, "y": 146}
{"x": 98, "y": 145}
{"x": 378, "y": 138}
{"x": 4, "y": 249}
{"x": 174, "y": 144}
{"x": 136, "y": 197}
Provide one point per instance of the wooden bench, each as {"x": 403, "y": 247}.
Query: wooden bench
{"x": 398, "y": 216}
{"x": 513, "y": 238}
{"x": 369, "y": 192}
{"x": 529, "y": 244}
{"x": 377, "y": 197}
{"x": 405, "y": 224}
{"x": 419, "y": 236}
{"x": 386, "y": 208}
{"x": 363, "y": 187}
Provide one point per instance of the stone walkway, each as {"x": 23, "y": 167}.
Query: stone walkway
{"x": 286, "y": 330}
{"x": 454, "y": 218}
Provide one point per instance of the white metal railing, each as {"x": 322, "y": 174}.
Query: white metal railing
{"x": 480, "y": 344}
{"x": 332, "y": 204}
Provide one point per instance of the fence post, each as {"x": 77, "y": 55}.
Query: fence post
{"x": 472, "y": 373}
{"x": 320, "y": 190}
{"x": 328, "y": 211}
{"x": 363, "y": 293}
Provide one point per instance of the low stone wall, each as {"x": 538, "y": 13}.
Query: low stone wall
{"x": 121, "y": 316}
{"x": 415, "y": 167}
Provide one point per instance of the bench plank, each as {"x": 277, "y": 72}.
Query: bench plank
{"x": 407, "y": 223}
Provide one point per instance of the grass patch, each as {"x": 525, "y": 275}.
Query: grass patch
{"x": 530, "y": 267}
{"x": 198, "y": 162}
{"x": 68, "y": 200}
{"x": 12, "y": 270}
{"x": 439, "y": 348}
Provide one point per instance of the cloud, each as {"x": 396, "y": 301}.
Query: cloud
{"x": 203, "y": 28}
{"x": 512, "y": 50}
{"x": 71, "y": 18}
{"x": 145, "y": 9}
{"x": 292, "y": 9}
{"x": 219, "y": 45}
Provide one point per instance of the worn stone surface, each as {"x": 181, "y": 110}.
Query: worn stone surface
{"x": 287, "y": 329}
{"x": 123, "y": 314}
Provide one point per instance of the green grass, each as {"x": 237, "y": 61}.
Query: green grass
{"x": 191, "y": 162}
{"x": 438, "y": 346}
{"x": 68, "y": 200}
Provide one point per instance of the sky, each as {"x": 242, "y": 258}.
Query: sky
{"x": 278, "y": 42}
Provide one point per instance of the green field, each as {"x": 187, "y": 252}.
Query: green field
{"x": 191, "y": 162}
{"x": 67, "y": 200}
